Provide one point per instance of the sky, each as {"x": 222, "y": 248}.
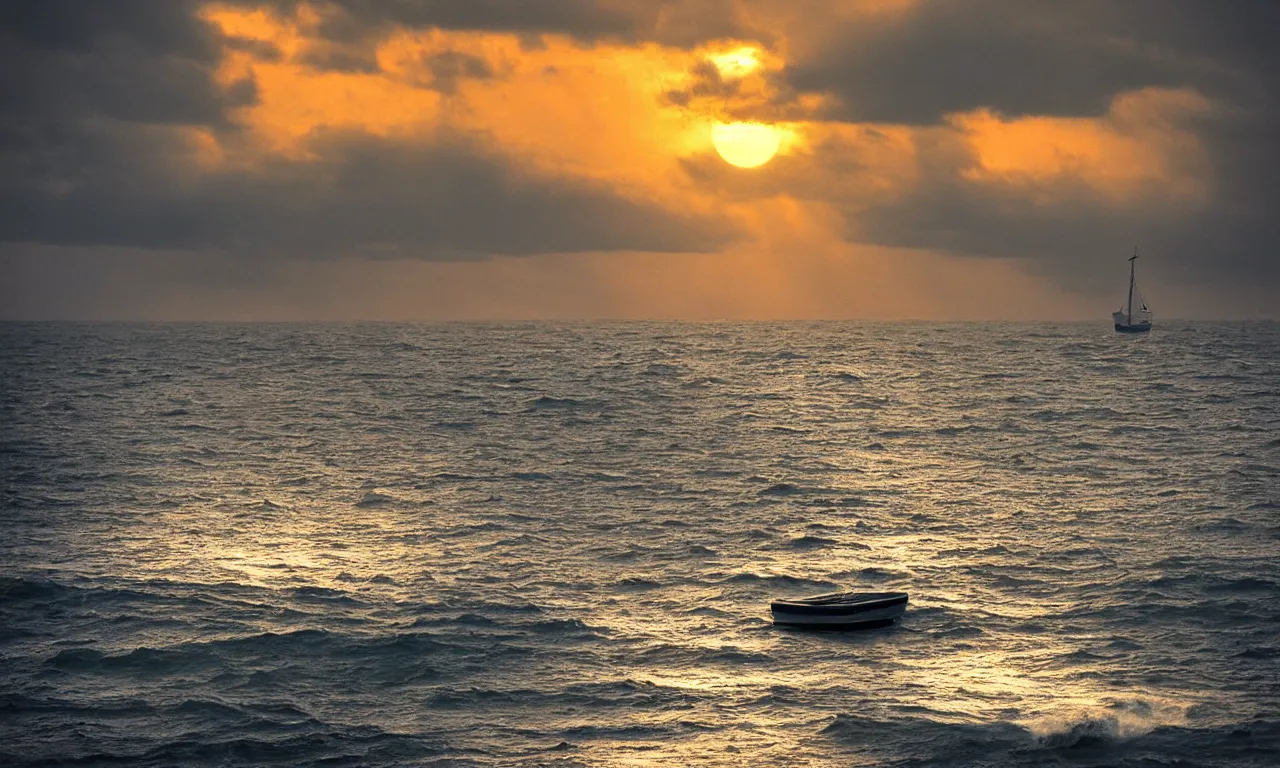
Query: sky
{"x": 600, "y": 159}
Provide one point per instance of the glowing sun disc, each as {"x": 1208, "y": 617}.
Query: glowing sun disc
{"x": 746, "y": 145}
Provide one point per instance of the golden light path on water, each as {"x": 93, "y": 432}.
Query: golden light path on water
{"x": 967, "y": 685}
{"x": 385, "y": 546}
{"x": 565, "y": 537}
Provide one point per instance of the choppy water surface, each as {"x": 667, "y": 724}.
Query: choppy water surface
{"x": 555, "y": 544}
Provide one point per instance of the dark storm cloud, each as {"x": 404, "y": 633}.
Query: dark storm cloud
{"x": 116, "y": 79}
{"x": 1039, "y": 57}
{"x": 138, "y": 60}
{"x": 1043, "y": 57}
{"x": 363, "y": 195}
{"x": 157, "y": 26}
{"x": 91, "y": 152}
{"x": 671, "y": 22}
{"x": 92, "y": 95}
{"x": 1077, "y": 240}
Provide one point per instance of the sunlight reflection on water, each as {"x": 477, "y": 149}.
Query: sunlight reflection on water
{"x": 495, "y": 542}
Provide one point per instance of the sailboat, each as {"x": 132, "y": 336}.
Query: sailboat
{"x": 1133, "y": 317}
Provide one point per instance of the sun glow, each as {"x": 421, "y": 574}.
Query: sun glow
{"x": 736, "y": 63}
{"x": 746, "y": 145}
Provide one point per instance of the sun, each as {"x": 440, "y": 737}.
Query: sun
{"x": 746, "y": 145}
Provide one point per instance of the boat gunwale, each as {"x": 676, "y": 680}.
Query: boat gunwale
{"x": 872, "y": 601}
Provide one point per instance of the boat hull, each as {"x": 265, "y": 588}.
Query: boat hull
{"x": 849, "y": 611}
{"x": 1124, "y": 322}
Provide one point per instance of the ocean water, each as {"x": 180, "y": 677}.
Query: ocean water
{"x": 554, "y": 544}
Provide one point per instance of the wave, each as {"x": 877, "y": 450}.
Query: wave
{"x": 1225, "y": 525}
{"x": 388, "y": 650}
{"x": 960, "y": 633}
{"x": 1261, "y": 652}
{"x": 789, "y": 430}
{"x": 155, "y": 593}
{"x": 145, "y": 662}
{"x": 459, "y": 426}
{"x": 455, "y": 477}
{"x": 1247, "y": 584}
{"x": 1100, "y": 415}
{"x": 662, "y": 370}
{"x": 748, "y": 577}
{"x": 636, "y": 584}
{"x": 12, "y": 588}
{"x": 1123, "y": 734}
{"x": 546, "y": 402}
{"x": 1120, "y": 721}
{"x": 961, "y": 430}
{"x": 507, "y": 532}
{"x": 373, "y": 499}
{"x": 100, "y": 707}
{"x": 918, "y": 739}
{"x": 596, "y": 695}
{"x": 693, "y": 656}
{"x": 805, "y": 543}
{"x": 329, "y": 745}
{"x": 532, "y": 476}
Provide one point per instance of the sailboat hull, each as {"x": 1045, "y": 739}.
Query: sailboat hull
{"x": 1124, "y": 322}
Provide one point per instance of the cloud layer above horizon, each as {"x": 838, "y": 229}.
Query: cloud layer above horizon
{"x": 282, "y": 159}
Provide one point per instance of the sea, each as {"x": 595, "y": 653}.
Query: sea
{"x": 554, "y": 544}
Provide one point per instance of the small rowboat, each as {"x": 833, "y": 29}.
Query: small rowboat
{"x": 840, "y": 610}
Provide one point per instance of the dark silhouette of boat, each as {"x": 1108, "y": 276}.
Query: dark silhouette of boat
{"x": 1127, "y": 319}
{"x": 840, "y": 610}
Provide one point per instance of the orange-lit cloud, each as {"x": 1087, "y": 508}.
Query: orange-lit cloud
{"x": 295, "y": 100}
{"x": 560, "y": 108}
{"x": 1141, "y": 145}
{"x": 605, "y": 113}
{"x": 579, "y": 135}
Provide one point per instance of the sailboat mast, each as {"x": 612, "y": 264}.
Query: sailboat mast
{"x": 1132, "y": 259}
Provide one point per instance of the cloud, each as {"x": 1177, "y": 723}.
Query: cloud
{"x": 1166, "y": 170}
{"x": 344, "y": 35}
{"x": 1033, "y": 57}
{"x": 356, "y": 195}
{"x": 1049, "y": 137}
{"x": 157, "y": 26}
{"x": 682, "y": 23}
{"x": 137, "y": 60}
{"x": 128, "y": 130}
{"x": 448, "y": 67}
{"x": 1056, "y": 134}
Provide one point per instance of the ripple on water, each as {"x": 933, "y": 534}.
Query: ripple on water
{"x": 527, "y": 544}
